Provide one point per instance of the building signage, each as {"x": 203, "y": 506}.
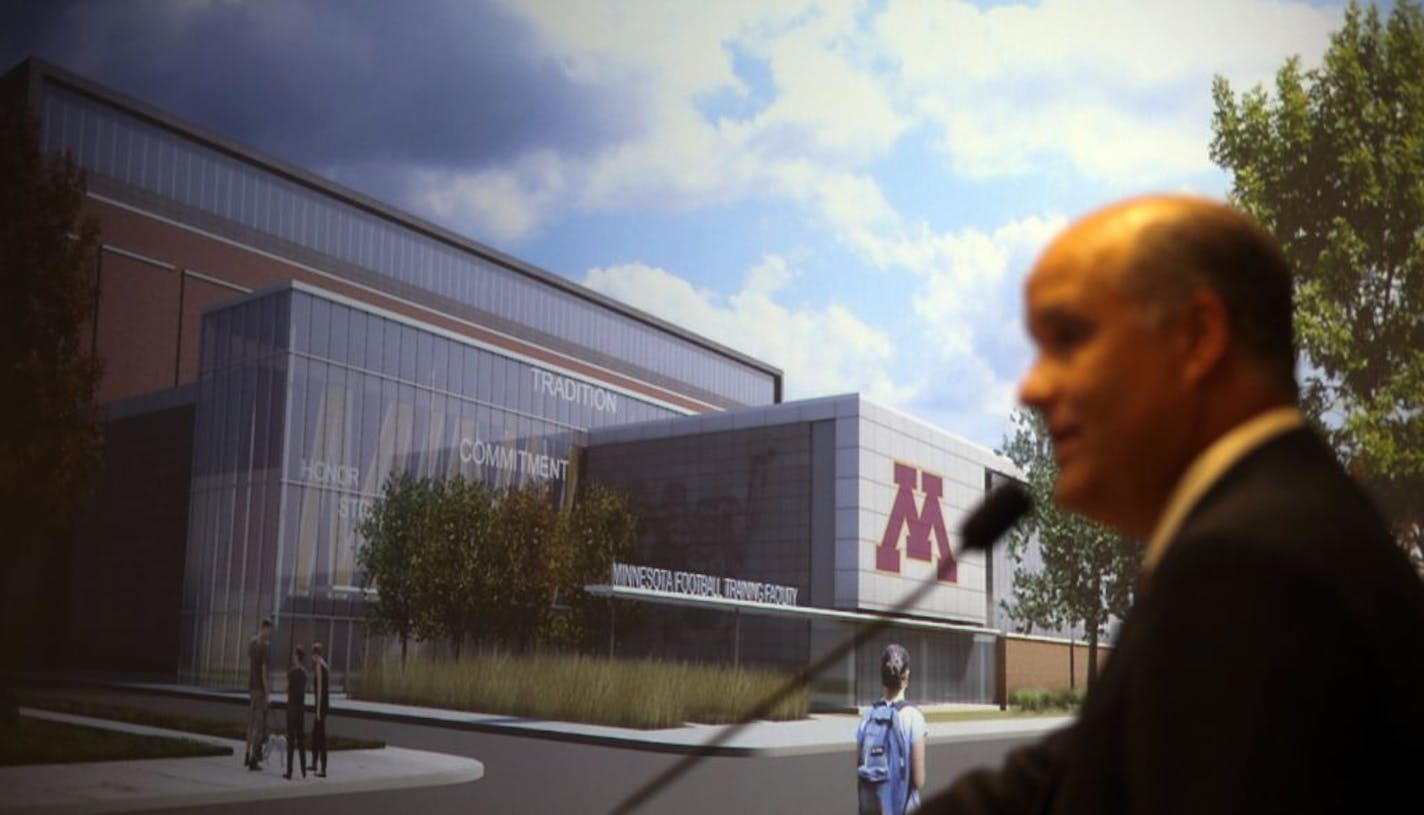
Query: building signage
{"x": 693, "y": 584}
{"x": 572, "y": 390}
{"x": 334, "y": 475}
{"x": 504, "y": 457}
{"x": 917, "y": 525}
{"x": 340, "y": 478}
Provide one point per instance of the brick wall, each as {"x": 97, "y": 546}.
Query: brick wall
{"x": 1026, "y": 662}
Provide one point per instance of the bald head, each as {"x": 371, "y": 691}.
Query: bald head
{"x": 1167, "y": 246}
{"x": 1160, "y": 324}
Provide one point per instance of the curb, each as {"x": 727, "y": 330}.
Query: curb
{"x": 111, "y": 789}
{"x": 626, "y": 738}
{"x": 685, "y": 740}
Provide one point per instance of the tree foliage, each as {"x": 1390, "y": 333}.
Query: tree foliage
{"x": 49, "y": 419}
{"x": 1087, "y": 573}
{"x": 458, "y": 562}
{"x": 532, "y": 561}
{"x": 1333, "y": 165}
{"x": 395, "y": 532}
{"x": 601, "y": 529}
{"x": 454, "y": 575}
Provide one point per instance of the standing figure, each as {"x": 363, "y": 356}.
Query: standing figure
{"x": 890, "y": 744}
{"x": 296, "y": 711}
{"x": 258, "y": 694}
{"x": 321, "y": 684}
{"x": 1272, "y": 657}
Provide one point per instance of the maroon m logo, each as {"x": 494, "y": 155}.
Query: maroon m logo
{"x": 922, "y": 523}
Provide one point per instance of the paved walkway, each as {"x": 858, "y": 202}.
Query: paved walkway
{"x": 168, "y": 783}
{"x": 819, "y": 733}
{"x": 118, "y": 786}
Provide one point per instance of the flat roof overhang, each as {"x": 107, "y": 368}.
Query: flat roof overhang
{"x": 726, "y": 604}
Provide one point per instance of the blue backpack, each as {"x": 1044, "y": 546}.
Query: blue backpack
{"x": 884, "y": 772}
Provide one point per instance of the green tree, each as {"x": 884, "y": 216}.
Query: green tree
{"x": 459, "y": 562}
{"x": 453, "y": 584}
{"x": 600, "y": 529}
{"x": 49, "y": 420}
{"x": 393, "y": 536}
{"x": 531, "y": 563}
{"x": 1087, "y": 572}
{"x": 1333, "y": 165}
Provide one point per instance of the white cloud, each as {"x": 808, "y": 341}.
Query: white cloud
{"x": 504, "y": 204}
{"x": 1116, "y": 93}
{"x": 956, "y": 362}
{"x": 831, "y": 112}
{"x": 1119, "y": 89}
{"x": 967, "y": 327}
{"x": 831, "y": 105}
{"x": 821, "y": 350}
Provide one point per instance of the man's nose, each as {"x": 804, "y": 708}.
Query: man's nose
{"x": 1034, "y": 387}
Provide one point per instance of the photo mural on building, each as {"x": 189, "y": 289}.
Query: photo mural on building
{"x": 419, "y": 433}
{"x": 308, "y": 403}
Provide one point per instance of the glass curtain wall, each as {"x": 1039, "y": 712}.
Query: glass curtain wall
{"x": 155, "y": 159}
{"x": 306, "y": 405}
{"x": 235, "y": 502}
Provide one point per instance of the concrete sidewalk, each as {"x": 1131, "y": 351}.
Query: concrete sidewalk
{"x": 169, "y": 783}
{"x": 816, "y": 734}
{"x": 181, "y": 782}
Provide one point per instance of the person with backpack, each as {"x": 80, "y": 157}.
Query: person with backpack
{"x": 890, "y": 744}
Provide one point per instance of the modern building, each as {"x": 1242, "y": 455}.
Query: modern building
{"x": 273, "y": 345}
{"x": 777, "y": 531}
{"x": 276, "y": 345}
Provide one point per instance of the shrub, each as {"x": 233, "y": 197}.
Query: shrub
{"x": 1038, "y": 700}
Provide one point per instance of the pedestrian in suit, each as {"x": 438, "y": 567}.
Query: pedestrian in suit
{"x": 259, "y": 693}
{"x": 321, "y": 704}
{"x": 296, "y": 712}
{"x": 1272, "y": 659}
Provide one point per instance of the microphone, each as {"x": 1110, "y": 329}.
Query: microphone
{"x": 995, "y": 515}
{"x": 1000, "y": 510}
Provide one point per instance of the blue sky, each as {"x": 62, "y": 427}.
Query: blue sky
{"x": 851, "y": 191}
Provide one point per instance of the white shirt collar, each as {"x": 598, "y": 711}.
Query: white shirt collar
{"x": 1208, "y": 467}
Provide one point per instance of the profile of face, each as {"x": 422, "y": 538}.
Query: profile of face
{"x": 265, "y": 633}
{"x": 1106, "y": 377}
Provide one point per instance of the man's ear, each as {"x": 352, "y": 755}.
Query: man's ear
{"x": 1206, "y": 329}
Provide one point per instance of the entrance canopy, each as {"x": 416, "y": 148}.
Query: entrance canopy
{"x": 726, "y": 604}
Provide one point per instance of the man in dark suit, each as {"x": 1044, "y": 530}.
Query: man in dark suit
{"x": 1273, "y": 659}
{"x": 321, "y": 703}
{"x": 296, "y": 713}
{"x": 259, "y": 694}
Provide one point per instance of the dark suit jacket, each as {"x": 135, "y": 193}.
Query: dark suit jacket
{"x": 321, "y": 689}
{"x": 296, "y": 695}
{"x": 1273, "y": 663}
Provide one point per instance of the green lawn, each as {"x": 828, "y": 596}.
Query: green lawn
{"x": 38, "y": 741}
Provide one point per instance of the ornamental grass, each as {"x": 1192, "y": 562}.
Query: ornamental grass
{"x": 644, "y": 694}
